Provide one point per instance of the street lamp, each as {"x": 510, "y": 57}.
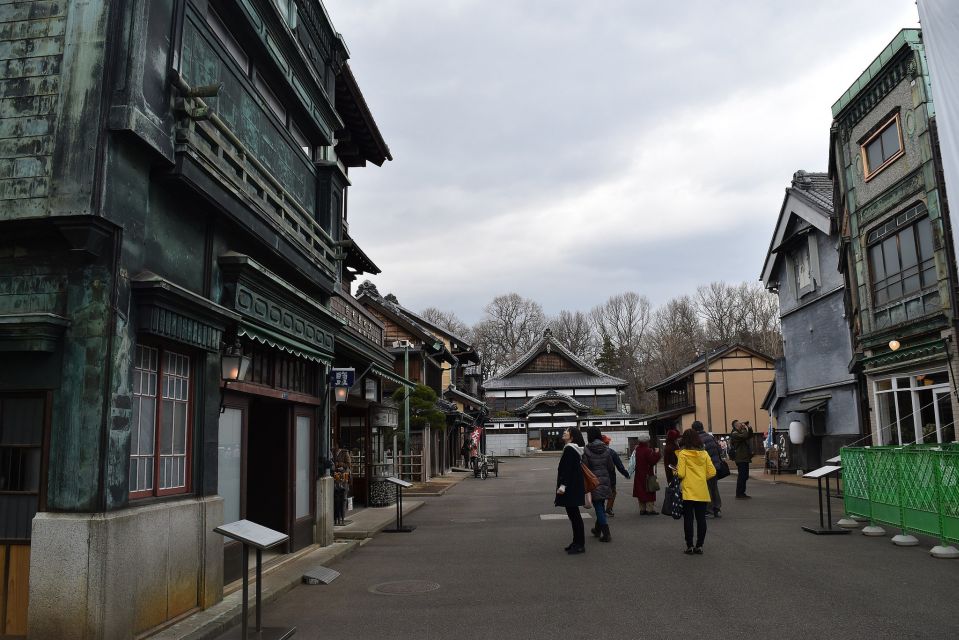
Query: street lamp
{"x": 405, "y": 345}
{"x": 894, "y": 345}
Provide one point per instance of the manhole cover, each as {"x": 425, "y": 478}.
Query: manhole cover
{"x": 468, "y": 520}
{"x": 404, "y": 587}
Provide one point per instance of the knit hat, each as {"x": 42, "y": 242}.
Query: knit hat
{"x": 671, "y": 435}
{"x": 643, "y": 437}
{"x": 605, "y": 440}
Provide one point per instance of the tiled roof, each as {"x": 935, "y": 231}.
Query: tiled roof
{"x": 564, "y": 380}
{"x": 593, "y": 377}
{"x": 815, "y": 186}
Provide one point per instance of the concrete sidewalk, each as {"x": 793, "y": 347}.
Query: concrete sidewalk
{"x": 285, "y": 573}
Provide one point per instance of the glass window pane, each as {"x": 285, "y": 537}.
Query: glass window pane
{"x": 179, "y": 428}
{"x": 890, "y": 254}
{"x": 890, "y": 141}
{"x": 886, "y": 419}
{"x": 924, "y": 233}
{"x": 147, "y": 425}
{"x": 874, "y": 154}
{"x": 302, "y": 466}
{"x": 907, "y": 248}
{"x": 907, "y": 427}
{"x": 875, "y": 260}
{"x": 947, "y": 427}
{"x": 166, "y": 427}
{"x": 927, "y": 416}
{"x": 229, "y": 459}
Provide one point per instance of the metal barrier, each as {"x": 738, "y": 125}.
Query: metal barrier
{"x": 914, "y": 487}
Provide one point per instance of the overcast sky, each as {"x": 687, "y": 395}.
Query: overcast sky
{"x": 570, "y": 151}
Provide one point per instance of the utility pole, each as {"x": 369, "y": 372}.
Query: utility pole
{"x": 709, "y": 408}
{"x": 406, "y": 402}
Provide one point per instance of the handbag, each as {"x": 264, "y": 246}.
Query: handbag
{"x": 652, "y": 483}
{"x": 631, "y": 467}
{"x": 589, "y": 478}
{"x": 673, "y": 502}
{"x": 722, "y": 470}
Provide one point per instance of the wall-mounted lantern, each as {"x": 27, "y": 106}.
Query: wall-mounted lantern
{"x": 233, "y": 368}
{"x": 342, "y": 380}
{"x": 894, "y": 345}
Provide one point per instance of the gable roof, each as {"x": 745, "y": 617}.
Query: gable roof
{"x": 589, "y": 376}
{"x": 700, "y": 363}
{"x": 402, "y": 317}
{"x": 809, "y": 198}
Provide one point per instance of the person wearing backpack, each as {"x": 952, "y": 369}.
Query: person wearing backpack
{"x": 742, "y": 440}
{"x": 694, "y": 469}
{"x": 711, "y": 447}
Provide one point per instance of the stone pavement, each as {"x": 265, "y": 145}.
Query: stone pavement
{"x": 483, "y": 564}
{"x": 284, "y": 573}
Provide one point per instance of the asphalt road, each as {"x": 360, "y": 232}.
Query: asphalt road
{"x": 500, "y": 572}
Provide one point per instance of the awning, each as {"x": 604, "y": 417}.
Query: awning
{"x": 283, "y": 343}
{"x": 382, "y": 372}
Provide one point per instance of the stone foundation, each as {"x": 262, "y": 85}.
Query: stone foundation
{"x": 118, "y": 574}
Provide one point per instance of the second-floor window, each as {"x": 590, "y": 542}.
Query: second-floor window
{"x": 801, "y": 269}
{"x": 902, "y": 265}
{"x": 882, "y": 147}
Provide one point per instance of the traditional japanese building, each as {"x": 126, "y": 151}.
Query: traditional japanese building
{"x": 727, "y": 383}
{"x": 899, "y": 262}
{"x": 548, "y": 390}
{"x": 421, "y": 351}
{"x": 173, "y": 229}
{"x": 813, "y": 383}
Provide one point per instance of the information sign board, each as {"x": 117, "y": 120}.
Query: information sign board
{"x": 251, "y": 533}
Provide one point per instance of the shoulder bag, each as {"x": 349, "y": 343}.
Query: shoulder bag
{"x": 589, "y": 478}
{"x": 652, "y": 483}
{"x": 722, "y": 470}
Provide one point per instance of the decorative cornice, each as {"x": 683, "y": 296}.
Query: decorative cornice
{"x": 934, "y": 349}
{"x": 892, "y": 196}
{"x": 551, "y": 398}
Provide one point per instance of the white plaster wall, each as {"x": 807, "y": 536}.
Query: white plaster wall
{"x": 115, "y": 575}
{"x": 499, "y": 444}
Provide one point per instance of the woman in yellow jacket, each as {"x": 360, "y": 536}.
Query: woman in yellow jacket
{"x": 694, "y": 469}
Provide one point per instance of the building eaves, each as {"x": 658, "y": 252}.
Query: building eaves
{"x": 548, "y": 340}
{"x": 911, "y": 37}
{"x": 562, "y": 380}
{"x": 551, "y": 397}
{"x": 700, "y": 363}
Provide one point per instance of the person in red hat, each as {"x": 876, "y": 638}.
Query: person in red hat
{"x": 618, "y": 463}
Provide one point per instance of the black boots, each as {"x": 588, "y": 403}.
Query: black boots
{"x": 595, "y": 530}
{"x": 605, "y": 537}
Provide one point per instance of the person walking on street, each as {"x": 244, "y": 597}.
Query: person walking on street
{"x": 742, "y": 441}
{"x": 618, "y": 463}
{"x": 715, "y": 454}
{"x": 600, "y": 461}
{"x": 465, "y": 452}
{"x": 570, "y": 487}
{"x": 646, "y": 459}
{"x": 694, "y": 470}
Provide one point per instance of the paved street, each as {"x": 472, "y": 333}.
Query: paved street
{"x": 502, "y": 573}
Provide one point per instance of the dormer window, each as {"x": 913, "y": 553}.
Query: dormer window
{"x": 882, "y": 147}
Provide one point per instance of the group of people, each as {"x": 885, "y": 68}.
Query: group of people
{"x": 693, "y": 457}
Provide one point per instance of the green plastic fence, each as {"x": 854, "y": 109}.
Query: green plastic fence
{"x": 915, "y": 488}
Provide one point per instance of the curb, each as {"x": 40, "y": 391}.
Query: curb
{"x": 362, "y": 534}
{"x": 216, "y": 620}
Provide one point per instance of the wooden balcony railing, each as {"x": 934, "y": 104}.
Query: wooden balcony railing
{"x": 214, "y": 147}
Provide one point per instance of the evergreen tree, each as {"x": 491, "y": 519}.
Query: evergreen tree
{"x": 607, "y": 360}
{"x": 423, "y": 410}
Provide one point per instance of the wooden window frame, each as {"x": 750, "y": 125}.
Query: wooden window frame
{"x": 155, "y": 491}
{"x": 869, "y": 172}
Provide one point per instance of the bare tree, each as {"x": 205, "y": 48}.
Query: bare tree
{"x": 574, "y": 330}
{"x": 745, "y": 313}
{"x": 675, "y": 337}
{"x": 517, "y": 322}
{"x": 720, "y": 308}
{"x": 446, "y": 320}
{"x": 485, "y": 338}
{"x": 624, "y": 321}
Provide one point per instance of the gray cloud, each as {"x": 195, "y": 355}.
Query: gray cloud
{"x": 570, "y": 151}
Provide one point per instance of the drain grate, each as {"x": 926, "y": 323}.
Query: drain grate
{"x": 404, "y": 588}
{"x": 469, "y": 520}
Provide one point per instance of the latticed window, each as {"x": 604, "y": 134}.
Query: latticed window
{"x": 882, "y": 147}
{"x": 159, "y": 457}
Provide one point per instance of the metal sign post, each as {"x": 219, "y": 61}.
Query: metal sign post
{"x": 251, "y": 534}
{"x": 400, "y": 484}
{"x": 819, "y": 474}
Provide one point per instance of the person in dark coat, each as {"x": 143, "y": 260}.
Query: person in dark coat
{"x": 570, "y": 487}
{"x": 618, "y": 463}
{"x": 646, "y": 459}
{"x": 600, "y": 461}
{"x": 669, "y": 453}
{"x": 714, "y": 451}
